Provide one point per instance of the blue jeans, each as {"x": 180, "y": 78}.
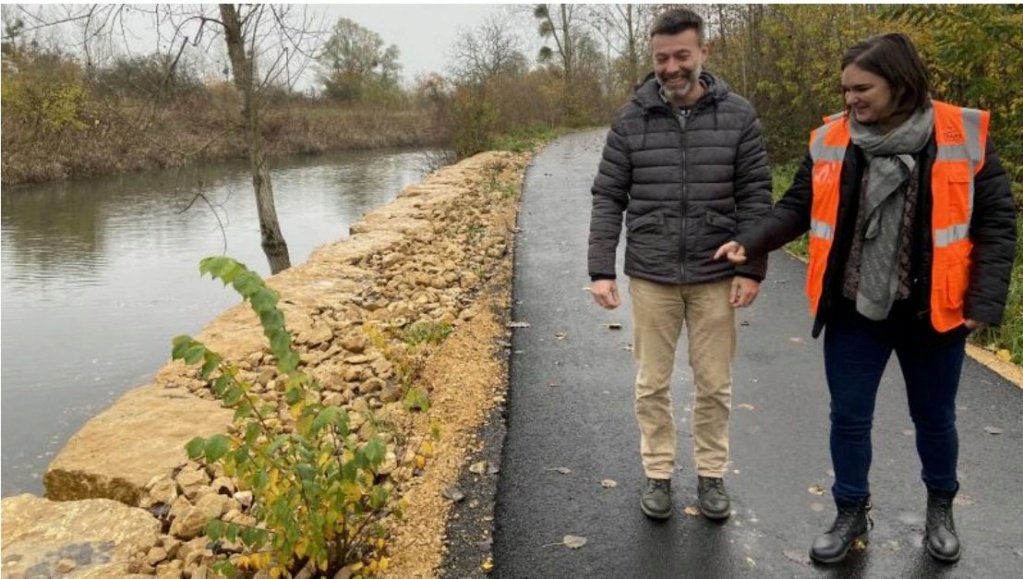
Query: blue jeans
{"x": 856, "y": 351}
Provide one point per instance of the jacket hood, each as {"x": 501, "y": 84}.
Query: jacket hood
{"x": 648, "y": 92}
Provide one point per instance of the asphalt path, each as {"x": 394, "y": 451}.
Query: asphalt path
{"x": 570, "y": 426}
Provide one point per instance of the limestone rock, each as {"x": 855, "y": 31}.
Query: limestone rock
{"x": 189, "y": 525}
{"x": 92, "y": 538}
{"x": 142, "y": 435}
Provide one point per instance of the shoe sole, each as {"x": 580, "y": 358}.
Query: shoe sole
{"x": 841, "y": 556}
{"x": 715, "y": 516}
{"x": 940, "y": 557}
{"x": 654, "y": 514}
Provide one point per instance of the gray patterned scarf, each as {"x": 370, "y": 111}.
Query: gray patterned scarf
{"x": 890, "y": 159}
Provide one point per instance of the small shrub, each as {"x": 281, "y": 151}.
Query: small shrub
{"x": 317, "y": 496}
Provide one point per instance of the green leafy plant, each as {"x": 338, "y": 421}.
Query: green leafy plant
{"x": 317, "y": 496}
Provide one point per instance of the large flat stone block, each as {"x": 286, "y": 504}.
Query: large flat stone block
{"x": 141, "y": 436}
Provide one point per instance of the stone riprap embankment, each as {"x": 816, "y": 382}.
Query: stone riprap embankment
{"x": 429, "y": 256}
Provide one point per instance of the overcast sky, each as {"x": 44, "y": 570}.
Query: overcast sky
{"x": 424, "y": 33}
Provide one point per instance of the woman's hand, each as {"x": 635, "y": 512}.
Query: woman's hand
{"x": 974, "y": 325}
{"x": 734, "y": 251}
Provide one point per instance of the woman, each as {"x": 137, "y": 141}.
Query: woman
{"x": 912, "y": 237}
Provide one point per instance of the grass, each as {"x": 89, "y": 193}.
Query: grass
{"x": 781, "y": 178}
{"x": 525, "y": 139}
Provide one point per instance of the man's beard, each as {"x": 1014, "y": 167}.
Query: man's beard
{"x": 678, "y": 93}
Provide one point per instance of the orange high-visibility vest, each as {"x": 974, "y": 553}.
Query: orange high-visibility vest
{"x": 961, "y": 136}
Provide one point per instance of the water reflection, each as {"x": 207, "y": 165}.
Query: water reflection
{"x": 99, "y": 275}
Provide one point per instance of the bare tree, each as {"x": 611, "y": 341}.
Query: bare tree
{"x": 241, "y": 30}
{"x": 487, "y": 51}
{"x": 560, "y": 25}
{"x": 268, "y": 47}
{"x": 623, "y": 28}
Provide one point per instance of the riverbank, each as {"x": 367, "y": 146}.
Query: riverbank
{"x": 150, "y": 137}
{"x": 439, "y": 254}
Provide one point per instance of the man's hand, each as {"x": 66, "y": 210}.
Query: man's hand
{"x": 605, "y": 293}
{"x": 744, "y": 290}
{"x": 734, "y": 251}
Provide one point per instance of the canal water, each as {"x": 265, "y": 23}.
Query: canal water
{"x": 98, "y": 276}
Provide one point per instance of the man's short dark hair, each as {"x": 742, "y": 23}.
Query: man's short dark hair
{"x": 894, "y": 58}
{"x": 676, "y": 20}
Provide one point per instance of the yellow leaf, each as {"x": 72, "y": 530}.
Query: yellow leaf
{"x": 420, "y": 461}
{"x": 427, "y": 449}
{"x": 385, "y": 562}
{"x": 488, "y": 565}
{"x": 1004, "y": 355}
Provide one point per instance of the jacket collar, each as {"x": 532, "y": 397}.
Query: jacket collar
{"x": 648, "y": 92}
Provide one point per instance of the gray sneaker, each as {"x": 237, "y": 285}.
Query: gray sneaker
{"x": 656, "y": 501}
{"x": 713, "y": 498}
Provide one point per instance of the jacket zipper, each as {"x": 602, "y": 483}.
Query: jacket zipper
{"x": 685, "y": 195}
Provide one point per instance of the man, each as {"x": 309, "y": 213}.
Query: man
{"x": 685, "y": 162}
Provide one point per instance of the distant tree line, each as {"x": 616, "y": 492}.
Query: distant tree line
{"x": 783, "y": 58}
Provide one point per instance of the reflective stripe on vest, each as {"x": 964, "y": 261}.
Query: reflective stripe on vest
{"x": 960, "y": 135}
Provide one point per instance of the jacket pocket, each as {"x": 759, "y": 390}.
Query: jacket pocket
{"x": 717, "y": 229}
{"x": 720, "y": 221}
{"x": 650, "y": 248}
{"x": 650, "y": 221}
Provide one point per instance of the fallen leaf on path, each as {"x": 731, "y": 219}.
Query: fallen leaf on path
{"x": 453, "y": 493}
{"x": 570, "y": 541}
{"x": 614, "y": 326}
{"x": 518, "y": 324}
{"x": 553, "y": 384}
{"x": 560, "y": 336}
{"x": 561, "y": 469}
{"x": 815, "y": 490}
{"x": 993, "y": 430}
{"x": 691, "y": 511}
{"x": 796, "y": 340}
{"x": 488, "y": 565}
{"x": 478, "y": 467}
{"x": 1004, "y": 355}
{"x": 747, "y": 407}
{"x": 608, "y": 483}
{"x": 574, "y": 542}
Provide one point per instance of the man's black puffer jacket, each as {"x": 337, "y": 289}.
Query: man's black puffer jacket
{"x": 684, "y": 192}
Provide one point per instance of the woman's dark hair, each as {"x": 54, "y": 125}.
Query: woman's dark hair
{"x": 894, "y": 58}
{"x": 677, "y": 20}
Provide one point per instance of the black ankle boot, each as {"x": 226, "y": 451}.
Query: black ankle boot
{"x": 851, "y": 523}
{"x": 940, "y": 533}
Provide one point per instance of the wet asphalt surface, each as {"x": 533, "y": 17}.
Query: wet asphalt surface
{"x": 569, "y": 425}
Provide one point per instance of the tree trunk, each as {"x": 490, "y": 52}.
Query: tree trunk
{"x": 274, "y": 246}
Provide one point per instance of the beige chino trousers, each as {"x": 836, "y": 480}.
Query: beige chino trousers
{"x": 658, "y": 312}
